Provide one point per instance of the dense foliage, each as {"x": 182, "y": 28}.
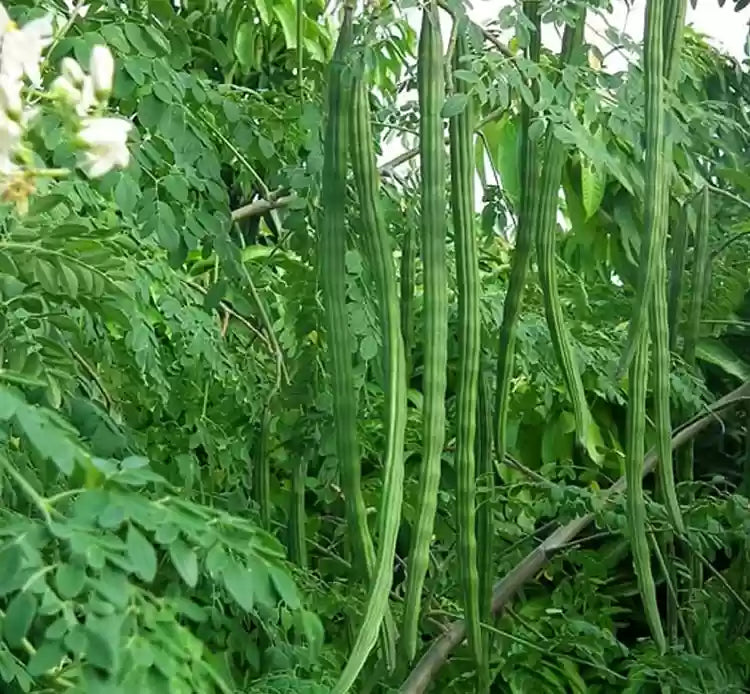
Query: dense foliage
{"x": 272, "y": 419}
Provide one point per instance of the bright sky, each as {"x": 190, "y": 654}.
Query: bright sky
{"x": 723, "y": 27}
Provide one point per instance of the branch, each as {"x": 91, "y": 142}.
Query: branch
{"x": 229, "y": 311}
{"x": 259, "y": 207}
{"x": 411, "y": 153}
{"x": 532, "y": 563}
{"x": 488, "y": 35}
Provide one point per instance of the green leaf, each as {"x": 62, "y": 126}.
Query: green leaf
{"x": 266, "y": 147}
{"x": 18, "y": 618}
{"x": 467, "y": 76}
{"x": 69, "y": 281}
{"x": 114, "y": 37}
{"x": 134, "y": 462}
{"x": 47, "y": 657}
{"x": 536, "y": 129}
{"x": 313, "y": 630}
{"x": 166, "y": 227}
{"x": 353, "y": 262}
{"x": 214, "y": 295}
{"x": 69, "y": 580}
{"x": 368, "y": 348}
{"x": 285, "y": 587}
{"x": 162, "y": 92}
{"x": 503, "y": 138}
{"x": 137, "y": 40}
{"x": 239, "y": 584}
{"x": 286, "y": 13}
{"x": 113, "y": 586}
{"x": 150, "y": 111}
{"x": 177, "y": 187}
{"x": 10, "y": 565}
{"x": 593, "y": 185}
{"x": 46, "y": 438}
{"x": 166, "y": 533}
{"x": 103, "y": 641}
{"x": 717, "y": 353}
{"x": 244, "y": 44}
{"x": 262, "y": 7}
{"x": 185, "y": 561}
{"x": 126, "y": 194}
{"x": 45, "y": 203}
{"x": 141, "y": 553}
{"x": 263, "y": 592}
{"x": 9, "y": 404}
{"x": 231, "y": 110}
{"x": 454, "y": 104}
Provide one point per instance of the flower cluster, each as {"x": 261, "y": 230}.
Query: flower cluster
{"x": 101, "y": 138}
{"x": 105, "y": 138}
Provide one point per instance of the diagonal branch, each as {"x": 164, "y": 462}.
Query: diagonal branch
{"x": 530, "y": 565}
{"x": 259, "y": 207}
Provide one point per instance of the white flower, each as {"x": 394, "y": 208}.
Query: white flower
{"x": 102, "y": 69}
{"x": 72, "y": 71}
{"x": 11, "y": 132}
{"x": 80, "y": 94}
{"x": 10, "y": 97}
{"x": 76, "y": 87}
{"x": 88, "y": 98}
{"x": 106, "y": 140}
{"x": 7, "y": 166}
{"x": 6, "y": 23}
{"x": 62, "y": 88}
{"x": 21, "y": 49}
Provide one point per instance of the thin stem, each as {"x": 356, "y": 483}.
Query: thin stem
{"x": 38, "y": 501}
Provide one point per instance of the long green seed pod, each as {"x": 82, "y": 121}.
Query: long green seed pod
{"x": 467, "y": 275}
{"x": 676, "y": 273}
{"x": 635, "y": 506}
{"x": 296, "y": 532}
{"x": 485, "y": 507}
{"x": 674, "y": 19}
{"x": 262, "y": 470}
{"x": 380, "y": 259}
{"x": 653, "y": 69}
{"x": 674, "y": 24}
{"x": 332, "y": 251}
{"x": 546, "y": 225}
{"x": 637, "y": 347}
{"x": 431, "y": 90}
{"x": 520, "y": 262}
{"x": 701, "y": 266}
{"x": 408, "y": 269}
{"x": 661, "y": 387}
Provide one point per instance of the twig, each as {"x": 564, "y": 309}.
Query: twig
{"x": 488, "y": 35}
{"x": 270, "y": 333}
{"x": 28, "y": 490}
{"x": 231, "y": 312}
{"x": 437, "y": 654}
{"x": 94, "y": 376}
{"x": 411, "y": 153}
{"x": 729, "y": 195}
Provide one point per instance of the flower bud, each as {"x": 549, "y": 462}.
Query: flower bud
{"x": 72, "y": 71}
{"x": 64, "y": 90}
{"x": 102, "y": 69}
